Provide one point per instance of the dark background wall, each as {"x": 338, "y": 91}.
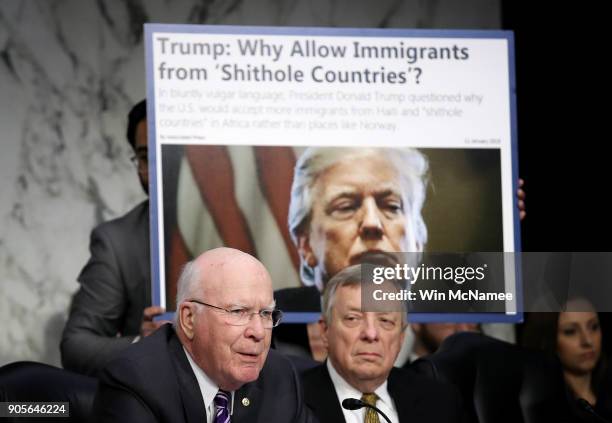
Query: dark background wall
{"x": 563, "y": 119}
{"x": 562, "y": 112}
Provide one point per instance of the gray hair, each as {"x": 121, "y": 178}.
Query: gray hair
{"x": 186, "y": 286}
{"x": 349, "y": 276}
{"x": 411, "y": 165}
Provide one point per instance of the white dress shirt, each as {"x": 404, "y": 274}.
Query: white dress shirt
{"x": 344, "y": 390}
{"x": 208, "y": 388}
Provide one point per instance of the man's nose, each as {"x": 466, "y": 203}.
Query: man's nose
{"x": 369, "y": 330}
{"x": 255, "y": 328}
{"x": 371, "y": 223}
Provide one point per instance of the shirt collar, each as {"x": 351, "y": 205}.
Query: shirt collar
{"x": 345, "y": 390}
{"x": 208, "y": 388}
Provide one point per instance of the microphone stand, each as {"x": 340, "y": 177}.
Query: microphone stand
{"x": 356, "y": 404}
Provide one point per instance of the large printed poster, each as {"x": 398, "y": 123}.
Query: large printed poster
{"x": 312, "y": 148}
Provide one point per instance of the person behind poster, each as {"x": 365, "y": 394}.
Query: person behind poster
{"x": 429, "y": 336}
{"x": 112, "y": 308}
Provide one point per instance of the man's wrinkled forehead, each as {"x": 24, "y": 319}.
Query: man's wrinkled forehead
{"x": 385, "y": 189}
{"x": 233, "y": 274}
{"x": 345, "y": 297}
{"x": 354, "y": 171}
{"x": 348, "y": 299}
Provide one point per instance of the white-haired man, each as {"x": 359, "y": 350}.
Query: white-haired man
{"x": 362, "y": 346}
{"x": 214, "y": 365}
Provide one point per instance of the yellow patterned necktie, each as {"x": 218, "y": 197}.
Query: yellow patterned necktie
{"x": 371, "y": 416}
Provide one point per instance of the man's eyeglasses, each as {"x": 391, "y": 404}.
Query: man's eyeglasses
{"x": 241, "y": 316}
{"x": 140, "y": 159}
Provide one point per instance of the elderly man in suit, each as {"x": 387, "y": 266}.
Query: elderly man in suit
{"x": 363, "y": 346}
{"x": 214, "y": 365}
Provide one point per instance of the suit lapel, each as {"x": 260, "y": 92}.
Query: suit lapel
{"x": 247, "y": 402}
{"x": 193, "y": 404}
{"x": 405, "y": 397}
{"x": 321, "y": 396}
{"x": 144, "y": 259}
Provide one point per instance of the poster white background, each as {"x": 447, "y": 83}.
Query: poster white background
{"x": 207, "y": 88}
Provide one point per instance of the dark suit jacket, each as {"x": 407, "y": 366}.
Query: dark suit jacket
{"x": 115, "y": 289}
{"x": 292, "y": 338}
{"x": 300, "y": 299}
{"x": 417, "y": 399}
{"x": 152, "y": 381}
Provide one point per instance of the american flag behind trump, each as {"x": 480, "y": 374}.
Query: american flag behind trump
{"x": 235, "y": 196}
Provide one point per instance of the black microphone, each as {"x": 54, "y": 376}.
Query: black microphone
{"x": 586, "y": 406}
{"x": 356, "y": 404}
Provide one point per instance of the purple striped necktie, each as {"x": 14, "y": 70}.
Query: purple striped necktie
{"x": 222, "y": 412}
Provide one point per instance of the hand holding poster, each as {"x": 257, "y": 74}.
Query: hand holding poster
{"x": 313, "y": 148}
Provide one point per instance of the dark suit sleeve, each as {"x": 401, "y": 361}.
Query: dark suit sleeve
{"x": 309, "y": 416}
{"x": 453, "y": 401}
{"x": 460, "y": 411}
{"x": 276, "y": 396}
{"x": 90, "y": 337}
{"x": 304, "y": 414}
{"x": 115, "y": 401}
{"x": 447, "y": 404}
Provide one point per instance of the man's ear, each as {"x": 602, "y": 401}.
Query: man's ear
{"x": 403, "y": 333}
{"x": 305, "y": 250}
{"x": 323, "y": 327}
{"x": 187, "y": 319}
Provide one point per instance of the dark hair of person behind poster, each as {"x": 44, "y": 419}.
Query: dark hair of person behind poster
{"x": 138, "y": 113}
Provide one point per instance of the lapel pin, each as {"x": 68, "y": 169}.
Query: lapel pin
{"x": 246, "y": 402}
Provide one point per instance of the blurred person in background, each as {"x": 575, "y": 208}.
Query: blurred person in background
{"x": 575, "y": 337}
{"x": 429, "y": 336}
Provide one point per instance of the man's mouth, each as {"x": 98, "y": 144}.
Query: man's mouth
{"x": 249, "y": 359}
{"x": 375, "y": 257}
{"x": 367, "y": 354}
{"x": 249, "y": 354}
